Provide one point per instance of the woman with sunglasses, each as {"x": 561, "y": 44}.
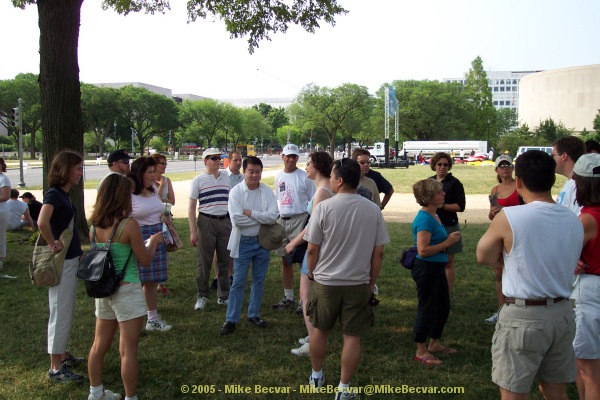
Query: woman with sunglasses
{"x": 166, "y": 195}
{"x": 504, "y": 194}
{"x": 454, "y": 202}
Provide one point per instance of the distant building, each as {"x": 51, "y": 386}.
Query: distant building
{"x": 504, "y": 86}
{"x": 155, "y": 89}
{"x": 568, "y": 95}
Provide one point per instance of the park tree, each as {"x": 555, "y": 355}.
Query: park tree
{"x": 596, "y": 123}
{"x": 506, "y": 120}
{"x": 203, "y": 121}
{"x": 100, "y": 109}
{"x": 479, "y": 93}
{"x": 25, "y": 87}
{"x": 428, "y": 110}
{"x": 148, "y": 113}
{"x": 59, "y": 22}
{"x": 255, "y": 128}
{"x": 548, "y": 131}
{"x": 329, "y": 109}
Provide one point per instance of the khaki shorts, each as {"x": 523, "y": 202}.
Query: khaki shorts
{"x": 291, "y": 228}
{"x": 533, "y": 343}
{"x": 126, "y": 303}
{"x": 349, "y": 303}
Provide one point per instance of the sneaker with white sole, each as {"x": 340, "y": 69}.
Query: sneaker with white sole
{"x": 223, "y": 302}
{"x": 107, "y": 395}
{"x": 350, "y": 395}
{"x": 201, "y": 303}
{"x": 284, "y": 304}
{"x": 299, "y": 309}
{"x": 65, "y": 375}
{"x": 316, "y": 383}
{"x": 303, "y": 350}
{"x": 492, "y": 320}
{"x": 158, "y": 325}
{"x": 303, "y": 340}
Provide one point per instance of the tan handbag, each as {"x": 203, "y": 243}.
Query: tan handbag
{"x": 46, "y": 267}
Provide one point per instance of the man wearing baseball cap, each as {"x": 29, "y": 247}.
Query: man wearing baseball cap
{"x": 211, "y": 229}
{"x": 34, "y": 206}
{"x": 118, "y": 162}
{"x": 293, "y": 190}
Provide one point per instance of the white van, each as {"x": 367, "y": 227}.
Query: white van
{"x": 523, "y": 149}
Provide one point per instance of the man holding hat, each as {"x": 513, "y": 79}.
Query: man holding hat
{"x": 34, "y": 206}
{"x": 211, "y": 230}
{"x": 252, "y": 205}
{"x": 293, "y": 190}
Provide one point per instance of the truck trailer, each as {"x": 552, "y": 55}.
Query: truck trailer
{"x": 429, "y": 147}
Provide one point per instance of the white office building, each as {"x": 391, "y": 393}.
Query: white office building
{"x": 504, "y": 86}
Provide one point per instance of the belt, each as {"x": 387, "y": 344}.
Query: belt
{"x": 286, "y": 218}
{"x": 215, "y": 216}
{"x": 542, "y": 302}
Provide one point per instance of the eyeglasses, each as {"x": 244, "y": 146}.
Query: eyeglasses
{"x": 364, "y": 162}
{"x": 442, "y": 164}
{"x": 162, "y": 163}
{"x": 556, "y": 154}
{"x": 213, "y": 158}
{"x": 126, "y": 162}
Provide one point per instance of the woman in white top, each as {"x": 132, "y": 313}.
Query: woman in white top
{"x": 4, "y": 196}
{"x": 147, "y": 210}
{"x": 166, "y": 195}
{"x": 318, "y": 168}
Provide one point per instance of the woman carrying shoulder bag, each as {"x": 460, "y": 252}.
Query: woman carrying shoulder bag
{"x": 126, "y": 308}
{"x": 56, "y": 216}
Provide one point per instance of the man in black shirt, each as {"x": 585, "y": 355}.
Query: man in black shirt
{"x": 34, "y": 206}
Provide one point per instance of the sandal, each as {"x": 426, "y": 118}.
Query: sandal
{"x": 444, "y": 350}
{"x": 430, "y": 361}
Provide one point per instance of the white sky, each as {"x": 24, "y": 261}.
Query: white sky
{"x": 377, "y": 41}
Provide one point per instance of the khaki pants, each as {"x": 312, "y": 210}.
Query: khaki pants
{"x": 213, "y": 235}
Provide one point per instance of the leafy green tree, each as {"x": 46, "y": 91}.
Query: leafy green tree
{"x": 202, "y": 121}
{"x": 596, "y": 123}
{"x": 297, "y": 135}
{"x": 329, "y": 109}
{"x": 59, "y": 22}
{"x": 479, "y": 93}
{"x": 148, "y": 113}
{"x": 100, "y": 110}
{"x": 428, "y": 110}
{"x": 26, "y": 87}
{"x": 548, "y": 131}
{"x": 506, "y": 120}
{"x": 254, "y": 126}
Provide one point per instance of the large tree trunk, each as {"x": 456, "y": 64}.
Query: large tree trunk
{"x": 62, "y": 125}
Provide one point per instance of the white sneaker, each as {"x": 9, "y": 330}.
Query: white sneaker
{"x": 492, "y": 320}
{"x": 375, "y": 290}
{"x": 303, "y": 350}
{"x": 107, "y": 395}
{"x": 158, "y": 325}
{"x": 316, "y": 384}
{"x": 201, "y": 303}
{"x": 303, "y": 340}
{"x": 346, "y": 395}
{"x": 222, "y": 302}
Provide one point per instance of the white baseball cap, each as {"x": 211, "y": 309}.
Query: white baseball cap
{"x": 211, "y": 152}
{"x": 290, "y": 149}
{"x": 588, "y": 165}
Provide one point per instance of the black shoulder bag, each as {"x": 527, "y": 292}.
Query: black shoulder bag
{"x": 97, "y": 268}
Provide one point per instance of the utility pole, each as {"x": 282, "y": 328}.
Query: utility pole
{"x": 19, "y": 127}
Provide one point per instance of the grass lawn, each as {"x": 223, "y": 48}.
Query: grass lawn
{"x": 194, "y": 354}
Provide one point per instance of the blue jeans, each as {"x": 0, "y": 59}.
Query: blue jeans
{"x": 250, "y": 251}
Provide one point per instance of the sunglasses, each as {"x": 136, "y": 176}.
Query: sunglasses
{"x": 364, "y": 162}
{"x": 442, "y": 165}
{"x": 504, "y": 166}
{"x": 124, "y": 162}
{"x": 162, "y": 163}
{"x": 213, "y": 158}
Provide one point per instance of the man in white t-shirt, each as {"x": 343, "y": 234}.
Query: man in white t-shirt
{"x": 536, "y": 248}
{"x": 293, "y": 190}
{"x": 346, "y": 238}
{"x": 210, "y": 192}
{"x": 566, "y": 151}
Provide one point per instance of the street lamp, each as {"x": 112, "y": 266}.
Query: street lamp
{"x": 489, "y": 121}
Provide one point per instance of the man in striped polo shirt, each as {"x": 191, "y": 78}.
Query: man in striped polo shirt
{"x": 210, "y": 231}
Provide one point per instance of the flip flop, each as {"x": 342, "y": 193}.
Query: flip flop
{"x": 429, "y": 360}
{"x": 445, "y": 350}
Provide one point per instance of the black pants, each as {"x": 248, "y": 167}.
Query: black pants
{"x": 434, "y": 299}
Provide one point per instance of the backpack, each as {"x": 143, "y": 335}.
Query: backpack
{"x": 97, "y": 268}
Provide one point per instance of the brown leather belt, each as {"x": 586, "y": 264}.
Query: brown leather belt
{"x": 542, "y": 302}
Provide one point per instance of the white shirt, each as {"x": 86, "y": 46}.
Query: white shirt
{"x": 293, "y": 190}
{"x": 238, "y": 202}
{"x": 566, "y": 197}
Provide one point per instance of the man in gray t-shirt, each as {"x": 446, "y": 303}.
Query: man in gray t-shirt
{"x": 345, "y": 239}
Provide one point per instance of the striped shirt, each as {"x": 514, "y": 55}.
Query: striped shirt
{"x": 212, "y": 193}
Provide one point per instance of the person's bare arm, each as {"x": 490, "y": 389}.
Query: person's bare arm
{"x": 192, "y": 221}
{"x": 497, "y": 237}
{"x": 376, "y": 261}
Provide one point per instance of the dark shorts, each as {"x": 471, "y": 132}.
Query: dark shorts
{"x": 456, "y": 247}
{"x": 349, "y": 303}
